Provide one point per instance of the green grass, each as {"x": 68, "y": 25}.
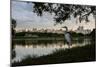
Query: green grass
{"x": 78, "y": 54}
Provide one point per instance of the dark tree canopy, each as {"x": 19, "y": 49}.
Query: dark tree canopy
{"x": 13, "y": 21}
{"x": 63, "y": 12}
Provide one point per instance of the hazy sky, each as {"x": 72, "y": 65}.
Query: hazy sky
{"x": 22, "y": 13}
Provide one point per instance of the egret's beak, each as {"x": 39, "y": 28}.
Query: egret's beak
{"x": 64, "y": 27}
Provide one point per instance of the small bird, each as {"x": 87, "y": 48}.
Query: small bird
{"x": 68, "y": 36}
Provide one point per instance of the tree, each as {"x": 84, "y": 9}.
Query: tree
{"x": 93, "y": 33}
{"x": 63, "y": 12}
{"x": 13, "y": 21}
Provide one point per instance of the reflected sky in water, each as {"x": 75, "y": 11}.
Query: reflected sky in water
{"x": 37, "y": 49}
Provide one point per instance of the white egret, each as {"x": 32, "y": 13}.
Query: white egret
{"x": 68, "y": 37}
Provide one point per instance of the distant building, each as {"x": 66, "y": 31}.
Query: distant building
{"x": 34, "y": 30}
{"x": 80, "y": 29}
{"x": 60, "y": 31}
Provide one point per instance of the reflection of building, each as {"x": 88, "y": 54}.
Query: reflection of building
{"x": 30, "y": 35}
{"x": 80, "y": 29}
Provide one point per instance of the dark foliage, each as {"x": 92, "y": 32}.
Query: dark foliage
{"x": 93, "y": 33}
{"x": 63, "y": 12}
{"x": 13, "y": 26}
{"x": 44, "y": 34}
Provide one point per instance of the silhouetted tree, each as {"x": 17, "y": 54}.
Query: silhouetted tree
{"x": 13, "y": 21}
{"x": 93, "y": 34}
{"x": 63, "y": 12}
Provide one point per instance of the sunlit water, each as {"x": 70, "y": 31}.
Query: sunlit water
{"x": 35, "y": 49}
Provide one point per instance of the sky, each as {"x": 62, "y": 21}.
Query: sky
{"x": 23, "y": 13}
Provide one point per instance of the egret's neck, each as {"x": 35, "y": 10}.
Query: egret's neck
{"x": 66, "y": 30}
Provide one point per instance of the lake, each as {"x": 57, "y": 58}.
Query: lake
{"x": 37, "y": 48}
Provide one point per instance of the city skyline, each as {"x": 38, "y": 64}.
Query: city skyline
{"x": 80, "y": 29}
{"x": 23, "y": 13}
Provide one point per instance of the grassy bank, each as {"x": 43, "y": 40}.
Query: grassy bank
{"x": 78, "y": 54}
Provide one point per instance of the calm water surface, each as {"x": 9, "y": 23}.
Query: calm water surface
{"x": 35, "y": 49}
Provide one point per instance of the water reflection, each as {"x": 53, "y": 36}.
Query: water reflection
{"x": 24, "y": 48}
